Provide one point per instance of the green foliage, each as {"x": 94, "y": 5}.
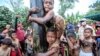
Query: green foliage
{"x": 20, "y": 9}
{"x": 96, "y": 5}
{"x": 23, "y": 13}
{"x": 8, "y": 17}
{"x": 95, "y": 8}
{"x": 5, "y": 16}
{"x": 64, "y": 5}
{"x": 74, "y": 18}
{"x": 92, "y": 12}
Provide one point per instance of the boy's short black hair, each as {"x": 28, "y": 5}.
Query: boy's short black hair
{"x": 52, "y": 29}
{"x": 76, "y": 27}
{"x": 88, "y": 29}
{"x": 97, "y": 25}
{"x": 44, "y": 0}
{"x": 71, "y": 35}
{"x": 7, "y": 41}
{"x": 10, "y": 32}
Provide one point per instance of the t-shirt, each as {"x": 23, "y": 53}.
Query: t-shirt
{"x": 98, "y": 33}
{"x": 20, "y": 34}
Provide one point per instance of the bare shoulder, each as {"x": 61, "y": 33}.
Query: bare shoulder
{"x": 51, "y": 12}
{"x": 56, "y": 45}
{"x": 17, "y": 41}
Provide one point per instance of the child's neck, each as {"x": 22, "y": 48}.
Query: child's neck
{"x": 50, "y": 45}
{"x": 45, "y": 13}
{"x": 74, "y": 43}
{"x": 14, "y": 39}
{"x": 29, "y": 40}
{"x": 87, "y": 38}
{"x": 4, "y": 48}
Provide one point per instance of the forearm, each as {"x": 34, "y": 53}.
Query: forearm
{"x": 50, "y": 52}
{"x": 38, "y": 20}
{"x": 29, "y": 14}
{"x": 70, "y": 44}
{"x": 42, "y": 20}
{"x": 16, "y": 20}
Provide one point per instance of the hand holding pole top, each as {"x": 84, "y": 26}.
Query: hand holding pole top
{"x": 34, "y": 10}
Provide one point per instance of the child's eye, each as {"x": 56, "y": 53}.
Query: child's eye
{"x": 50, "y": 3}
{"x": 46, "y": 2}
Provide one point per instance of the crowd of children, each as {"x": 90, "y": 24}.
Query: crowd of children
{"x": 10, "y": 46}
{"x": 79, "y": 41}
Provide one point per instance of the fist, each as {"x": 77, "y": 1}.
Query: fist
{"x": 30, "y": 18}
{"x": 34, "y": 10}
{"x": 18, "y": 16}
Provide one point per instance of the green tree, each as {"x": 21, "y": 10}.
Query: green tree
{"x": 64, "y": 5}
{"x": 5, "y": 17}
{"x": 20, "y": 9}
{"x": 96, "y": 5}
{"x": 94, "y": 8}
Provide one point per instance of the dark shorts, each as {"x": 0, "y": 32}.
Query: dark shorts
{"x": 98, "y": 38}
{"x": 22, "y": 46}
{"x": 98, "y": 42}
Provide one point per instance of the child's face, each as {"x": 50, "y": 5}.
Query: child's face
{"x": 84, "y": 23}
{"x": 51, "y": 37}
{"x": 72, "y": 40}
{"x": 98, "y": 28}
{"x": 48, "y": 5}
{"x": 87, "y": 33}
{"x": 76, "y": 29}
{"x": 29, "y": 37}
{"x": 4, "y": 34}
{"x": 14, "y": 35}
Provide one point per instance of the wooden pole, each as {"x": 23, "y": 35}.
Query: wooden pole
{"x": 37, "y": 28}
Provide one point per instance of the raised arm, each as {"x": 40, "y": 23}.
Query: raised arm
{"x": 70, "y": 44}
{"x": 16, "y": 21}
{"x": 42, "y": 20}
